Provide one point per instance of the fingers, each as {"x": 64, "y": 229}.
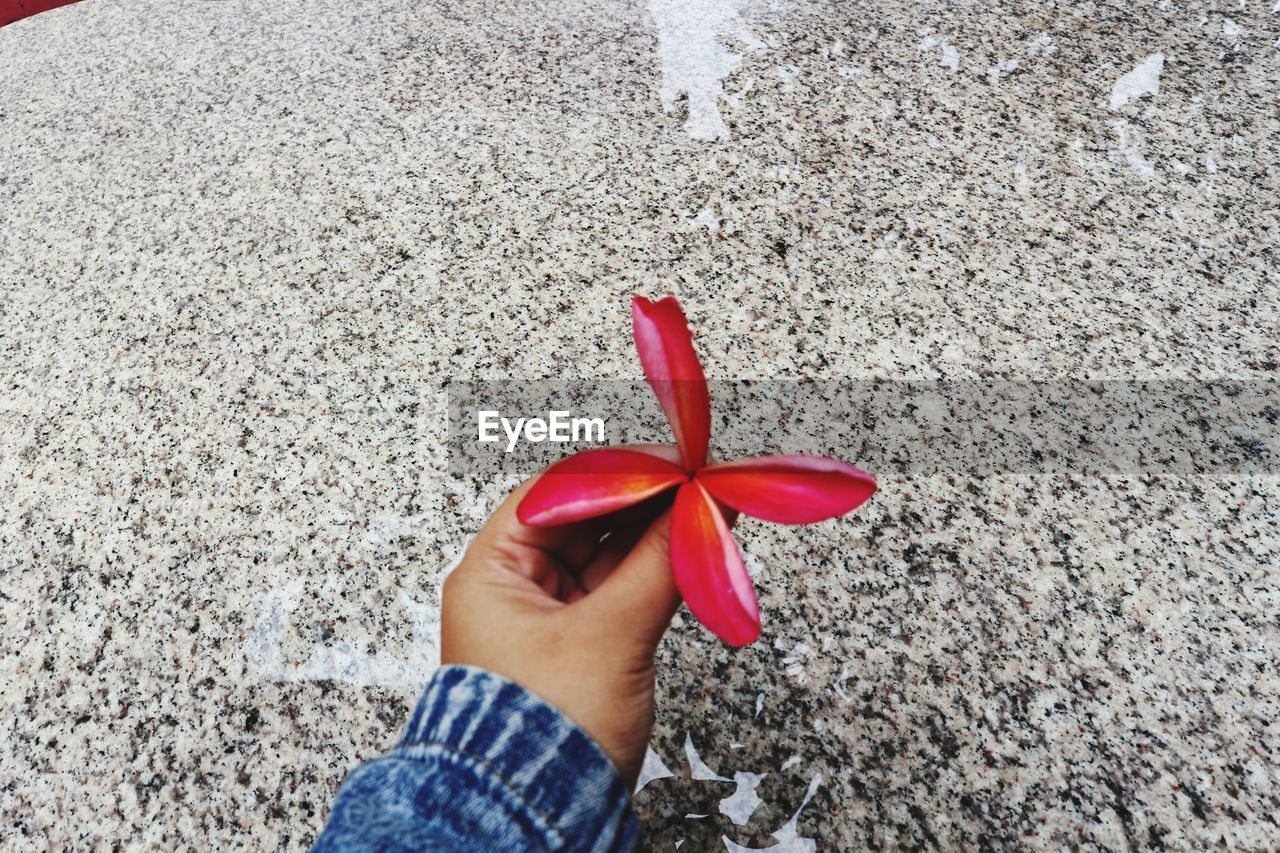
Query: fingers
{"x": 503, "y": 532}
{"x": 640, "y": 595}
{"x": 618, "y": 535}
{"x": 610, "y": 553}
{"x": 604, "y": 541}
{"x": 575, "y": 544}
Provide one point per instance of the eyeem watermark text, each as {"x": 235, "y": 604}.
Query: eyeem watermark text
{"x": 558, "y": 426}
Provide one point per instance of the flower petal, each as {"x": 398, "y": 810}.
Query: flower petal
{"x": 669, "y": 452}
{"x": 10, "y": 12}
{"x": 791, "y": 489}
{"x": 665, "y": 344}
{"x": 709, "y": 570}
{"x": 596, "y": 482}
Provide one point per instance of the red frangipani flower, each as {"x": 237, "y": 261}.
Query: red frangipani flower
{"x": 708, "y": 568}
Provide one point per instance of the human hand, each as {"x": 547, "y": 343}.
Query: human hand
{"x": 573, "y": 614}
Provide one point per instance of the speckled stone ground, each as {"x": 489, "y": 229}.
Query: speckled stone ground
{"x": 242, "y": 246}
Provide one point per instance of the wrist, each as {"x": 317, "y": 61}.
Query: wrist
{"x": 565, "y": 782}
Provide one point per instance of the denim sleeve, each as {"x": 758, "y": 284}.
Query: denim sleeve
{"x": 484, "y": 765}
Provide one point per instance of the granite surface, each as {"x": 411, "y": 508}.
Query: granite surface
{"x": 243, "y": 247}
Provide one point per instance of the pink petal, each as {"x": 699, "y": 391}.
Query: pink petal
{"x": 788, "y": 489}
{"x": 669, "y": 452}
{"x": 596, "y": 482}
{"x": 709, "y": 570}
{"x": 666, "y": 350}
{"x": 16, "y": 10}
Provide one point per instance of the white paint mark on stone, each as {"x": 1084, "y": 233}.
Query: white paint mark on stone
{"x": 262, "y": 649}
{"x": 950, "y": 57}
{"x": 742, "y": 803}
{"x": 795, "y": 662}
{"x": 787, "y": 835}
{"x": 1130, "y": 152}
{"x": 343, "y": 661}
{"x": 475, "y": 505}
{"x": 692, "y": 816}
{"x": 1144, "y": 79}
{"x": 739, "y": 805}
{"x": 1022, "y": 178}
{"x": 839, "y": 684}
{"x": 697, "y": 769}
{"x": 1003, "y": 68}
{"x": 790, "y": 762}
{"x": 653, "y": 768}
{"x": 1230, "y": 28}
{"x": 1042, "y": 45}
{"x": 385, "y": 530}
{"x": 695, "y": 62}
{"x": 706, "y": 218}
{"x": 759, "y": 705}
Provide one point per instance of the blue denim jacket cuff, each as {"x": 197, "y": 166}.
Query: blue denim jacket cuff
{"x": 565, "y": 786}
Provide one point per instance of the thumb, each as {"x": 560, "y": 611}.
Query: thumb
{"x": 640, "y": 595}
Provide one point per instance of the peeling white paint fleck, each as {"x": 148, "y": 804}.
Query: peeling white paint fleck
{"x": 694, "y": 61}
{"x": 950, "y": 57}
{"x": 1023, "y": 179}
{"x": 742, "y": 803}
{"x": 697, "y": 769}
{"x": 706, "y": 218}
{"x": 838, "y": 686}
{"x": 385, "y": 530}
{"x": 1042, "y": 45}
{"x": 1144, "y": 79}
{"x": 790, "y": 762}
{"x": 652, "y": 768}
{"x": 795, "y": 662}
{"x": 1128, "y": 150}
{"x": 1002, "y": 68}
{"x": 262, "y": 649}
{"x": 343, "y": 661}
{"x": 787, "y": 835}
